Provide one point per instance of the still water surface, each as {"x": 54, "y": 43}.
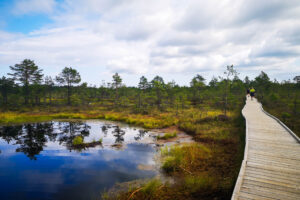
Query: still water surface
{"x": 37, "y": 160}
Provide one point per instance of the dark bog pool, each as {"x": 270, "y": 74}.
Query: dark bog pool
{"x": 37, "y": 161}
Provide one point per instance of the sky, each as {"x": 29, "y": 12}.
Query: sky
{"x": 175, "y": 39}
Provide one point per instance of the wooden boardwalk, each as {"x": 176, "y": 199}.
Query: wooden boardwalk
{"x": 271, "y": 165}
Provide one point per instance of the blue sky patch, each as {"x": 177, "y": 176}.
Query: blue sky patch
{"x": 25, "y": 23}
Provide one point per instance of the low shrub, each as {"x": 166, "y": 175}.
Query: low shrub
{"x": 78, "y": 140}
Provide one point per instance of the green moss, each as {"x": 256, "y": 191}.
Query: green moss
{"x": 78, "y": 140}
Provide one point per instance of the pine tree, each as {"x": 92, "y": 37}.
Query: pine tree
{"x": 6, "y": 85}
{"x": 143, "y": 85}
{"x": 158, "y": 85}
{"x": 27, "y": 73}
{"x": 49, "y": 83}
{"x": 117, "y": 82}
{"x": 69, "y": 76}
{"x": 197, "y": 84}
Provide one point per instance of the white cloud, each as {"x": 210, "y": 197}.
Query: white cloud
{"x": 22, "y": 7}
{"x": 164, "y": 37}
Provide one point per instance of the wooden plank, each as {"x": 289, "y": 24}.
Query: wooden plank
{"x": 274, "y": 175}
{"x": 252, "y": 189}
{"x": 274, "y": 168}
{"x": 253, "y": 152}
{"x": 244, "y": 198}
{"x": 274, "y": 153}
{"x": 274, "y": 159}
{"x": 281, "y": 143}
{"x": 280, "y": 179}
{"x": 276, "y": 146}
{"x": 283, "y": 138}
{"x": 253, "y": 196}
{"x": 273, "y": 163}
{"x": 293, "y": 188}
{"x": 276, "y": 162}
{"x": 288, "y": 159}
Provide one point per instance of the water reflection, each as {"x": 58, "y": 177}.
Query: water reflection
{"x": 118, "y": 133}
{"x": 31, "y": 139}
{"x": 140, "y": 135}
{"x": 9, "y": 133}
{"x": 104, "y": 129}
{"x": 69, "y": 130}
{"x": 32, "y": 142}
{"x": 37, "y": 160}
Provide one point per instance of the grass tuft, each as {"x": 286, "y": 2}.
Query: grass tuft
{"x": 184, "y": 158}
{"x": 167, "y": 136}
{"x": 150, "y": 187}
{"x": 196, "y": 184}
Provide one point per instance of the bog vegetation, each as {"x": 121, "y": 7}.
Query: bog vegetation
{"x": 209, "y": 110}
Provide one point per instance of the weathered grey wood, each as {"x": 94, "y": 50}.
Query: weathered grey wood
{"x": 243, "y": 195}
{"x": 271, "y": 165}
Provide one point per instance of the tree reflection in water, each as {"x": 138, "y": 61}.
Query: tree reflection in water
{"x": 140, "y": 135}
{"x": 119, "y": 134}
{"x": 32, "y": 142}
{"x": 69, "y": 130}
{"x": 32, "y": 138}
{"x": 104, "y": 129}
{"x": 10, "y": 133}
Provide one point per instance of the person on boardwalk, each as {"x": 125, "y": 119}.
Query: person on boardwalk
{"x": 252, "y": 92}
{"x": 248, "y": 92}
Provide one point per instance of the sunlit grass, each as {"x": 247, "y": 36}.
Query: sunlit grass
{"x": 10, "y": 117}
{"x": 184, "y": 158}
{"x": 200, "y": 183}
{"x": 151, "y": 186}
{"x": 167, "y": 136}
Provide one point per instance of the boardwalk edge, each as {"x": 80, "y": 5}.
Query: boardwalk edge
{"x": 282, "y": 124}
{"x": 239, "y": 180}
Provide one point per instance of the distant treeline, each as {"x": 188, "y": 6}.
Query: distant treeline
{"x": 27, "y": 85}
